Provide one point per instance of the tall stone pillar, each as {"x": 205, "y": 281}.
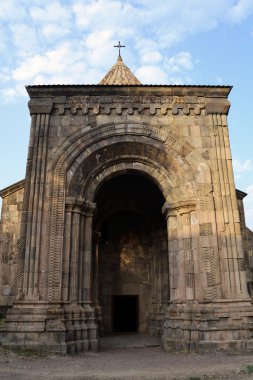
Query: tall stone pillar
{"x": 181, "y": 241}
{"x": 81, "y": 330}
{"x": 31, "y": 323}
{"x": 74, "y": 253}
{"x": 228, "y": 223}
{"x": 95, "y": 282}
{"x": 200, "y": 317}
{"x": 30, "y": 257}
{"x": 88, "y": 212}
{"x": 66, "y": 251}
{"x": 160, "y": 281}
{"x": 89, "y": 209}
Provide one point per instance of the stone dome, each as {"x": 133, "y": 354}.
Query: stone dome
{"x": 119, "y": 74}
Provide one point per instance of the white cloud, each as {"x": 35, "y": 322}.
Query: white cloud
{"x": 100, "y": 47}
{"x": 24, "y": 38}
{"x": 148, "y": 51}
{"x": 8, "y": 94}
{"x": 12, "y": 10}
{"x": 102, "y": 14}
{"x": 52, "y": 12}
{"x": 182, "y": 61}
{"x": 63, "y": 65}
{"x": 4, "y": 75}
{"x": 53, "y": 31}
{"x": 151, "y": 74}
{"x": 54, "y": 64}
{"x": 242, "y": 166}
{"x": 248, "y": 206}
{"x": 61, "y": 40}
{"x": 240, "y": 10}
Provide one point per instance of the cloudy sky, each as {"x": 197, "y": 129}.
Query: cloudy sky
{"x": 167, "y": 42}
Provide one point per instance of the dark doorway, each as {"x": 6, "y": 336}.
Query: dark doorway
{"x": 133, "y": 231}
{"x": 125, "y": 313}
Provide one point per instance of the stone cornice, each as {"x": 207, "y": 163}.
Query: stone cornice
{"x": 240, "y": 194}
{"x": 163, "y": 100}
{"x": 12, "y": 188}
{"x": 40, "y": 105}
{"x": 101, "y": 90}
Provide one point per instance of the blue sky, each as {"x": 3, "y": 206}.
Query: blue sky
{"x": 167, "y": 42}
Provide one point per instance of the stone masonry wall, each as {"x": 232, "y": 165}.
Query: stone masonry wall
{"x": 247, "y": 236}
{"x": 9, "y": 241}
{"x": 191, "y": 121}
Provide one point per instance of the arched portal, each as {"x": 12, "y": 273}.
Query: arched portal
{"x": 130, "y": 260}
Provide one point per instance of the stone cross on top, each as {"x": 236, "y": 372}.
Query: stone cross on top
{"x": 119, "y": 46}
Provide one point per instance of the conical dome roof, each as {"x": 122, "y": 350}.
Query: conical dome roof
{"x": 119, "y": 74}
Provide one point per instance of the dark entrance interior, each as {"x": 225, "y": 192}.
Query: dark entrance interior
{"x": 130, "y": 257}
{"x": 125, "y": 313}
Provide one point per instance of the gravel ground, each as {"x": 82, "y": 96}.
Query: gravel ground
{"x": 124, "y": 364}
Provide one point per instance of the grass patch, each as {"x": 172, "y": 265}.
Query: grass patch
{"x": 2, "y": 322}
{"x": 29, "y": 353}
{"x": 247, "y": 370}
{"x": 23, "y": 352}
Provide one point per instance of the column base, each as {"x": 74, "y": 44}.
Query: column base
{"x": 49, "y": 327}
{"x": 214, "y": 326}
{"x": 156, "y": 319}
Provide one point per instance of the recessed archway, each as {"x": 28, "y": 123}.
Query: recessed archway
{"x": 132, "y": 260}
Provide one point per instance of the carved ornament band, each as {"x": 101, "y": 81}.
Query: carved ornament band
{"x": 179, "y": 208}
{"x": 80, "y": 205}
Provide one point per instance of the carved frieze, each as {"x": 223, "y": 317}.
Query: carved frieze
{"x": 155, "y": 99}
{"x": 179, "y": 208}
{"x": 95, "y": 105}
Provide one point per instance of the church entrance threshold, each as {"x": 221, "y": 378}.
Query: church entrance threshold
{"x": 125, "y": 313}
{"x": 128, "y": 340}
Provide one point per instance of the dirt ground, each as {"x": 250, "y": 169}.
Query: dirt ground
{"x": 124, "y": 364}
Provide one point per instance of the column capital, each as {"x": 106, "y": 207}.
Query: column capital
{"x": 40, "y": 105}
{"x": 89, "y": 208}
{"x": 179, "y": 208}
{"x": 73, "y": 204}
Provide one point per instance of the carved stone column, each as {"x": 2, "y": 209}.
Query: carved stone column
{"x": 95, "y": 282}
{"x": 180, "y": 250}
{"x": 88, "y": 211}
{"x": 80, "y": 320}
{"x": 66, "y": 250}
{"x": 226, "y": 212}
{"x": 74, "y": 253}
{"x": 160, "y": 282}
{"x": 30, "y": 273}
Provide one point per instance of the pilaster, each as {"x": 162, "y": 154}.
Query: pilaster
{"x": 30, "y": 253}
{"x": 227, "y": 215}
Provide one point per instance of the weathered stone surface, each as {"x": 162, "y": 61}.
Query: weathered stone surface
{"x": 9, "y": 241}
{"x": 129, "y": 204}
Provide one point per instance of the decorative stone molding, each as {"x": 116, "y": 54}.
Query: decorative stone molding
{"x": 40, "y": 105}
{"x": 164, "y": 104}
{"x": 179, "y": 208}
{"x": 95, "y": 105}
{"x": 79, "y": 101}
{"x": 80, "y": 205}
{"x": 12, "y": 189}
{"x": 120, "y": 165}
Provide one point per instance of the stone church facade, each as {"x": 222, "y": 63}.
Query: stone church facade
{"x": 128, "y": 220}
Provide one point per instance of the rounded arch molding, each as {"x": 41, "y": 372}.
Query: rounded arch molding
{"x": 140, "y": 165}
{"x": 77, "y": 149}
